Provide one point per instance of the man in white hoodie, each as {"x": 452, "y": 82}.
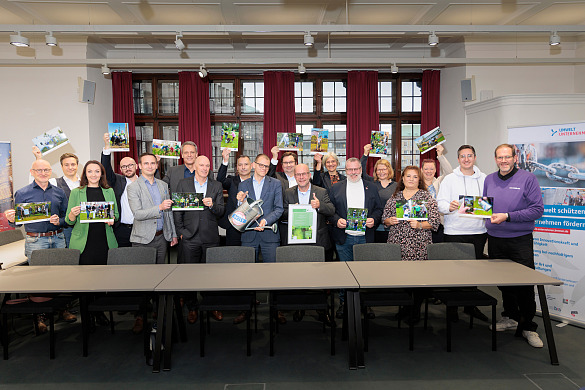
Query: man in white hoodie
{"x": 466, "y": 180}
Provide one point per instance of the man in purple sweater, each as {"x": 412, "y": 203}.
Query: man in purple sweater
{"x": 517, "y": 204}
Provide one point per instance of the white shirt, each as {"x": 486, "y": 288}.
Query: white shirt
{"x": 126, "y": 215}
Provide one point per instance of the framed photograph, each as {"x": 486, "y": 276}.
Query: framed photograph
{"x": 429, "y": 140}
{"x": 319, "y": 141}
{"x": 50, "y": 140}
{"x": 119, "y": 137}
{"x": 96, "y": 212}
{"x": 289, "y": 141}
{"x": 32, "y": 212}
{"x": 412, "y": 209}
{"x": 166, "y": 149}
{"x": 476, "y": 206}
{"x": 230, "y": 134}
{"x": 187, "y": 201}
{"x": 356, "y": 220}
{"x": 302, "y": 224}
{"x": 381, "y": 142}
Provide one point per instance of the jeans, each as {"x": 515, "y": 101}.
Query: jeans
{"x": 34, "y": 243}
{"x": 345, "y": 252}
{"x": 67, "y": 231}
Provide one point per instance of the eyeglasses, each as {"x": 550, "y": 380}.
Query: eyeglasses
{"x": 353, "y": 169}
{"x": 382, "y": 169}
{"x": 466, "y": 155}
{"x": 302, "y": 174}
{"x": 288, "y": 162}
{"x": 502, "y": 158}
{"x": 45, "y": 170}
{"x": 263, "y": 166}
{"x": 127, "y": 166}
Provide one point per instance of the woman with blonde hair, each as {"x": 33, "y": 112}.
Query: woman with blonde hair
{"x": 326, "y": 178}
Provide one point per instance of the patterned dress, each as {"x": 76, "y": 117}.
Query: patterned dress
{"x": 413, "y": 242}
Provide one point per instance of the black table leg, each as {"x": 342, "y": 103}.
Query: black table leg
{"x": 159, "y": 333}
{"x": 168, "y": 332}
{"x": 550, "y": 340}
{"x": 85, "y": 326}
{"x": 358, "y": 330}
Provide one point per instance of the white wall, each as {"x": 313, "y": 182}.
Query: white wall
{"x": 452, "y": 111}
{"x": 100, "y": 113}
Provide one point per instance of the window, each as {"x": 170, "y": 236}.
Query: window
{"x": 221, "y": 97}
{"x": 334, "y": 96}
{"x": 386, "y": 100}
{"x": 410, "y": 153}
{"x": 411, "y": 95}
{"x": 253, "y": 97}
{"x": 304, "y": 97}
{"x": 168, "y": 97}
{"x": 142, "y": 92}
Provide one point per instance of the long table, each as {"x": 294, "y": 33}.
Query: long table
{"x": 12, "y": 254}
{"x": 449, "y": 273}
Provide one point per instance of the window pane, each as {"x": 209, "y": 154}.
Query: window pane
{"x": 298, "y": 105}
{"x": 168, "y": 95}
{"x": 221, "y": 97}
{"x": 142, "y": 93}
{"x": 340, "y": 104}
{"x": 339, "y": 89}
{"x": 249, "y": 105}
{"x": 385, "y": 104}
{"x": 297, "y": 89}
{"x": 248, "y": 89}
{"x": 260, "y": 106}
{"x": 307, "y": 89}
{"x": 307, "y": 105}
{"x": 328, "y": 88}
{"x": 253, "y": 138}
{"x": 417, "y": 104}
{"x": 407, "y": 88}
{"x": 328, "y": 105}
{"x": 260, "y": 89}
{"x": 386, "y": 88}
{"x": 253, "y": 101}
{"x": 144, "y": 137}
{"x": 407, "y": 104}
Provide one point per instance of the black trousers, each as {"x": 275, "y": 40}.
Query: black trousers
{"x": 519, "y": 301}
{"x": 233, "y": 237}
{"x": 122, "y": 233}
{"x": 478, "y": 241}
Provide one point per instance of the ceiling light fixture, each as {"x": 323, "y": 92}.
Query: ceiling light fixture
{"x": 178, "y": 42}
{"x": 309, "y": 40}
{"x": 105, "y": 70}
{"x": 202, "y": 71}
{"x": 433, "y": 39}
{"x": 394, "y": 68}
{"x": 19, "y": 41}
{"x": 302, "y": 69}
{"x": 50, "y": 40}
{"x": 554, "y": 39}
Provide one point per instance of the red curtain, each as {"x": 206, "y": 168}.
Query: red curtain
{"x": 123, "y": 111}
{"x": 430, "y": 115}
{"x": 194, "y": 115}
{"x": 362, "y": 111}
{"x": 279, "y": 107}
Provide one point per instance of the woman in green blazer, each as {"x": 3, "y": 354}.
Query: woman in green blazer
{"x": 92, "y": 239}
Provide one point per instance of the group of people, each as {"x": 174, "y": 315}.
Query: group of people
{"x": 143, "y": 215}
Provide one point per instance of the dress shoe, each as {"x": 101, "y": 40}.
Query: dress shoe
{"x": 370, "y": 314}
{"x": 41, "y": 326}
{"x": 240, "y": 317}
{"x": 475, "y": 312}
{"x": 67, "y": 317}
{"x": 138, "y": 325}
{"x": 281, "y": 318}
{"x": 217, "y": 315}
{"x": 325, "y": 317}
{"x": 298, "y": 315}
{"x": 192, "y": 316}
{"x": 339, "y": 312}
{"x": 101, "y": 319}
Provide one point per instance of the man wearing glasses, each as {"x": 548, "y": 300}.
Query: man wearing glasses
{"x": 517, "y": 204}
{"x": 123, "y": 227}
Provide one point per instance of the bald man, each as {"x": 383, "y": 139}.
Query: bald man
{"x": 123, "y": 227}
{"x": 198, "y": 229}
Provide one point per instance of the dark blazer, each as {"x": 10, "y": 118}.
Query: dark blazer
{"x": 338, "y": 196}
{"x": 272, "y": 207}
{"x": 173, "y": 176}
{"x": 204, "y": 222}
{"x": 322, "y": 179}
{"x": 116, "y": 181}
{"x": 230, "y": 184}
{"x": 326, "y": 209}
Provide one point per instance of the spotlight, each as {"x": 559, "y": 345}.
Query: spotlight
{"x": 19, "y": 41}
{"x": 554, "y": 39}
{"x": 106, "y": 70}
{"x": 202, "y": 71}
{"x": 50, "y": 40}
{"x": 433, "y": 39}
{"x": 309, "y": 40}
{"x": 394, "y": 68}
{"x": 302, "y": 69}
{"x": 179, "y": 43}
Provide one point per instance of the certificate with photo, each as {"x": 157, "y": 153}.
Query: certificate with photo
{"x": 166, "y": 149}
{"x": 50, "y": 140}
{"x": 119, "y": 137}
{"x": 412, "y": 209}
{"x": 356, "y": 220}
{"x": 187, "y": 201}
{"x": 319, "y": 141}
{"x": 302, "y": 224}
{"x": 381, "y": 142}
{"x": 96, "y": 212}
{"x": 476, "y": 206}
{"x": 32, "y": 212}
{"x": 289, "y": 141}
{"x": 230, "y": 135}
{"x": 430, "y": 140}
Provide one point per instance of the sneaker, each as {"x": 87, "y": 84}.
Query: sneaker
{"x": 532, "y": 338}
{"x": 505, "y": 323}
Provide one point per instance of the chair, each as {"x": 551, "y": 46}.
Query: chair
{"x": 53, "y": 256}
{"x": 456, "y": 297}
{"x": 300, "y": 299}
{"x": 9, "y": 236}
{"x": 382, "y": 297}
{"x": 228, "y": 300}
{"x": 122, "y": 301}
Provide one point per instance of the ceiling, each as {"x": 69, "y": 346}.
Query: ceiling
{"x": 269, "y": 33}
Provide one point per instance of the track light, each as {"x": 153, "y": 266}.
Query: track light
{"x": 178, "y": 42}
{"x": 50, "y": 40}
{"x": 302, "y": 69}
{"x": 554, "y": 39}
{"x": 106, "y": 70}
{"x": 309, "y": 40}
{"x": 433, "y": 39}
{"x": 202, "y": 71}
{"x": 19, "y": 41}
{"x": 394, "y": 68}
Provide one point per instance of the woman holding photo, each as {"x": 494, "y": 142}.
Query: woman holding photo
{"x": 329, "y": 177}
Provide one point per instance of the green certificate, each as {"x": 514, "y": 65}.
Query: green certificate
{"x": 302, "y": 224}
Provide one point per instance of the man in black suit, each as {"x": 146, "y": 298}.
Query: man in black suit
{"x": 198, "y": 229}
{"x": 177, "y": 173}
{"x": 353, "y": 193}
{"x": 289, "y": 161}
{"x": 230, "y": 183}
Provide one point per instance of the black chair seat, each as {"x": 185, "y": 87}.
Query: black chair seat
{"x": 119, "y": 303}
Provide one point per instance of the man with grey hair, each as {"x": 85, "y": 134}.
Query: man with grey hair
{"x": 177, "y": 173}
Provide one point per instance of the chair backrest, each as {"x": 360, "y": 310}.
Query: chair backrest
{"x": 230, "y": 254}
{"x": 451, "y": 251}
{"x": 132, "y": 255}
{"x": 54, "y": 256}
{"x": 8, "y": 236}
{"x": 300, "y": 253}
{"x": 376, "y": 252}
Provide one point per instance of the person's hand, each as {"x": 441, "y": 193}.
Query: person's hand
{"x": 413, "y": 223}
{"x": 454, "y": 205}
{"x": 37, "y": 152}
{"x": 110, "y": 223}
{"x": 498, "y": 218}
{"x": 261, "y": 225}
{"x": 10, "y": 213}
{"x": 226, "y": 155}
{"x": 54, "y": 219}
{"x": 440, "y": 150}
{"x": 318, "y": 157}
{"x": 157, "y": 158}
{"x": 241, "y": 196}
{"x": 315, "y": 202}
{"x": 75, "y": 211}
{"x": 367, "y": 148}
{"x": 208, "y": 202}
{"x": 107, "y": 140}
{"x": 165, "y": 205}
{"x": 274, "y": 152}
{"x": 370, "y": 222}
{"x": 341, "y": 223}
{"x": 174, "y": 241}
{"x": 390, "y": 221}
